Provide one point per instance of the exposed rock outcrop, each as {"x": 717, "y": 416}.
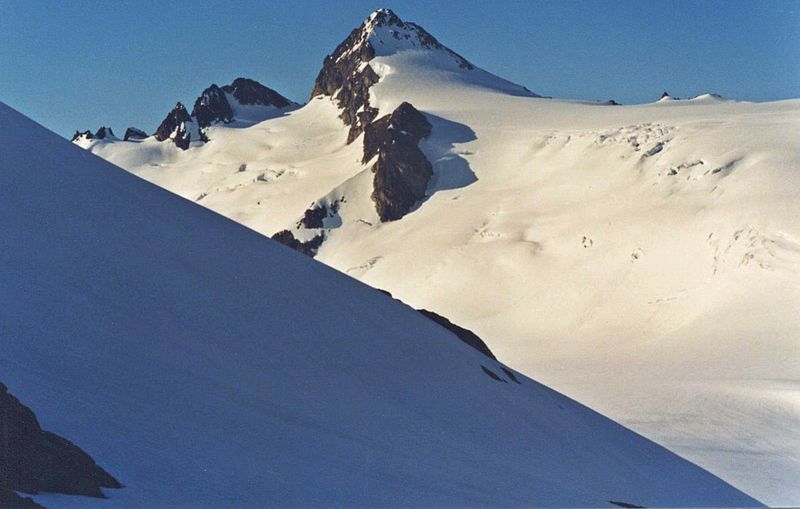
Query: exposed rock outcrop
{"x": 308, "y": 248}
{"x": 402, "y": 171}
{"x": 133, "y": 133}
{"x": 465, "y": 335}
{"x": 315, "y": 215}
{"x": 175, "y": 127}
{"x": 211, "y": 107}
{"x": 346, "y": 75}
{"x": 101, "y": 134}
{"x": 215, "y": 106}
{"x": 33, "y": 460}
{"x": 346, "y": 78}
{"x": 250, "y": 92}
{"x": 85, "y": 135}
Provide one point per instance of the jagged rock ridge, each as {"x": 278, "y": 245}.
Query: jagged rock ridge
{"x": 102, "y": 133}
{"x": 33, "y": 460}
{"x": 346, "y": 75}
{"x": 214, "y": 105}
{"x": 175, "y": 127}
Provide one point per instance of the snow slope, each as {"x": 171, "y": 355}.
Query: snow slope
{"x": 643, "y": 259}
{"x": 205, "y": 365}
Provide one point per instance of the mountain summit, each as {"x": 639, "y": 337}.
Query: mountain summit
{"x": 347, "y": 74}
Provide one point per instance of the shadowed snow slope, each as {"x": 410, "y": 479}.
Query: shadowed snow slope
{"x": 206, "y": 365}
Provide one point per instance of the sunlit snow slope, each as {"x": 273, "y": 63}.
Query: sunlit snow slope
{"x": 208, "y": 366}
{"x": 643, "y": 259}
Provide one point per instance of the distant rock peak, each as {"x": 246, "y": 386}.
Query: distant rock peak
{"x": 211, "y": 107}
{"x": 175, "y": 127}
{"x": 133, "y": 133}
{"x": 250, "y": 92}
{"x": 215, "y": 105}
{"x": 101, "y": 134}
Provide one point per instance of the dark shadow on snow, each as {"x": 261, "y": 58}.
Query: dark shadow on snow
{"x": 450, "y": 170}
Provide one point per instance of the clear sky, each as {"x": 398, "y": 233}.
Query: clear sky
{"x": 73, "y": 65}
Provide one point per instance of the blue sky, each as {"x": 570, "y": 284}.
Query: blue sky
{"x": 70, "y": 65}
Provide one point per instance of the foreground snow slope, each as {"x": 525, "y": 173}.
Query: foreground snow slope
{"x": 203, "y": 364}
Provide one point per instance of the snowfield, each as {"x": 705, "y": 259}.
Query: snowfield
{"x": 206, "y": 366}
{"x": 643, "y": 259}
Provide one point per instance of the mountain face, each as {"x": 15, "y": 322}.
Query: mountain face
{"x": 211, "y": 107}
{"x": 177, "y": 126}
{"x": 347, "y": 76}
{"x": 401, "y": 176}
{"x": 210, "y": 366}
{"x": 644, "y": 259}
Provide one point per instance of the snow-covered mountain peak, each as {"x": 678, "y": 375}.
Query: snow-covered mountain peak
{"x": 382, "y": 45}
{"x": 387, "y": 34}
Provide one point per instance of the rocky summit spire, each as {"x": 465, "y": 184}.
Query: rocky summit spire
{"x": 346, "y": 75}
{"x": 174, "y": 127}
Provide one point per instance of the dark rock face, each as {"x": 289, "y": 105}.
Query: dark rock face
{"x": 132, "y": 133}
{"x": 346, "y": 76}
{"x": 34, "y": 460}
{"x": 402, "y": 171}
{"x": 250, "y": 92}
{"x": 101, "y": 134}
{"x": 85, "y": 134}
{"x": 308, "y": 248}
{"x": 612, "y": 102}
{"x": 465, "y": 335}
{"x": 342, "y": 79}
{"x": 316, "y": 214}
{"x": 211, "y": 107}
{"x": 313, "y": 217}
{"x": 175, "y": 124}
